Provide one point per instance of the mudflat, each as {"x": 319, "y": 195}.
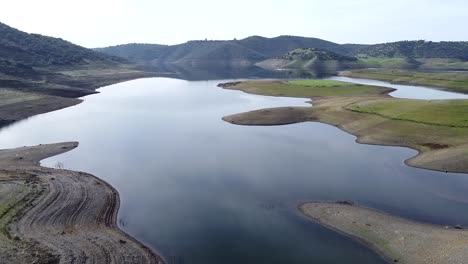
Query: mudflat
{"x": 60, "y": 216}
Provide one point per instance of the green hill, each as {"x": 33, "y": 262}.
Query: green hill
{"x": 37, "y": 50}
{"x": 414, "y": 49}
{"x": 245, "y": 51}
{"x": 53, "y": 66}
{"x": 39, "y": 74}
{"x": 310, "y": 62}
{"x": 255, "y": 49}
{"x": 313, "y": 53}
{"x": 136, "y": 52}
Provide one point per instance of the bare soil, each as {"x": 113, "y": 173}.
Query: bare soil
{"x": 61, "y": 216}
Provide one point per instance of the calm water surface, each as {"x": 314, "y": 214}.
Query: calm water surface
{"x": 202, "y": 191}
{"x": 406, "y": 91}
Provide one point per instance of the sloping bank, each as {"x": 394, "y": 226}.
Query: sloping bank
{"x": 60, "y": 216}
{"x": 59, "y": 88}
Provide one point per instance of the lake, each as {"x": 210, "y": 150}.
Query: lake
{"x": 199, "y": 190}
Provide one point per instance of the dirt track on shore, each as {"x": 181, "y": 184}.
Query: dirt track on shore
{"x": 66, "y": 217}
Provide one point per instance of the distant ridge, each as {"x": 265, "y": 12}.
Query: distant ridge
{"x": 414, "y": 49}
{"x": 246, "y": 51}
{"x": 254, "y": 49}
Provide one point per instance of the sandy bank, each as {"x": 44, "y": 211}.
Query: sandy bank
{"x": 398, "y": 239}
{"x": 60, "y": 216}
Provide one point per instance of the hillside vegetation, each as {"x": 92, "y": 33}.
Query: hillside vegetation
{"x": 309, "y": 62}
{"x": 308, "y": 56}
{"x": 249, "y": 50}
{"x": 37, "y": 50}
{"x": 313, "y": 53}
{"x": 415, "y": 49}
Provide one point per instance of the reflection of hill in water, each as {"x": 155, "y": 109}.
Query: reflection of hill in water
{"x": 219, "y": 71}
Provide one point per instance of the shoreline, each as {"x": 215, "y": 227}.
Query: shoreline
{"x": 395, "y": 239}
{"x": 364, "y": 74}
{"x": 64, "y": 89}
{"x": 67, "y": 215}
{"x": 333, "y": 111}
{"x": 115, "y": 246}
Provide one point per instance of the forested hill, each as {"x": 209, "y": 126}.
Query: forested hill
{"x": 37, "y": 50}
{"x": 256, "y": 48}
{"x": 248, "y": 50}
{"x": 414, "y": 49}
{"x": 312, "y": 53}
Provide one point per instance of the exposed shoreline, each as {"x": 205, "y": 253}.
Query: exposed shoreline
{"x": 368, "y": 129}
{"x": 26, "y": 99}
{"x": 66, "y": 216}
{"x": 39, "y": 224}
{"x": 396, "y": 239}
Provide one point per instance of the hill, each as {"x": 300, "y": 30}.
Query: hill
{"x": 37, "y": 50}
{"x": 414, "y": 49}
{"x": 40, "y": 74}
{"x": 313, "y": 53}
{"x": 136, "y": 52}
{"x": 424, "y": 55}
{"x": 309, "y": 62}
{"x": 246, "y": 51}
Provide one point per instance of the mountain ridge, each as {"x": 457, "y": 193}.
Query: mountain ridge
{"x": 257, "y": 48}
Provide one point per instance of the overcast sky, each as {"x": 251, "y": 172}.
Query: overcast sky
{"x": 97, "y": 23}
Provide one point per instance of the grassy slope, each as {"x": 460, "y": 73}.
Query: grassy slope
{"x": 452, "y": 81}
{"x": 452, "y": 113}
{"x": 442, "y": 142}
{"x": 383, "y": 62}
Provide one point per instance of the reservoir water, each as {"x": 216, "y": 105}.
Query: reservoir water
{"x": 406, "y": 91}
{"x": 202, "y": 191}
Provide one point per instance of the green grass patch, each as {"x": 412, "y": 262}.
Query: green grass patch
{"x": 377, "y": 62}
{"x": 309, "y": 88}
{"x": 319, "y": 83}
{"x": 453, "y": 113}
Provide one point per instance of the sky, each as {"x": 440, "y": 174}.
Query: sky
{"x": 100, "y": 23}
